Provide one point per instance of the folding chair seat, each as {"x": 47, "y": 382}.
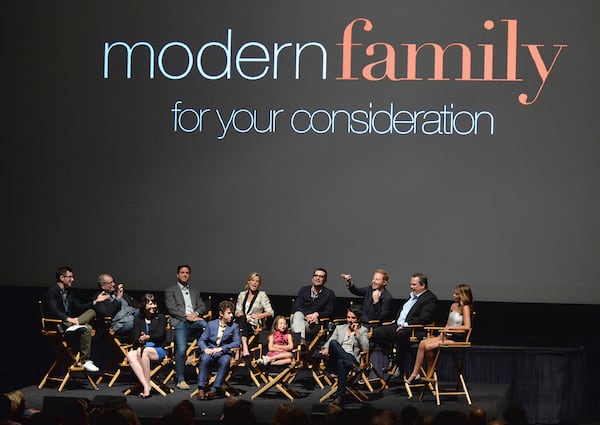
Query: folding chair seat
{"x": 67, "y": 362}
{"x": 270, "y": 376}
{"x": 457, "y": 350}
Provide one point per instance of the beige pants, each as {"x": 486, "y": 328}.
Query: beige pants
{"x": 85, "y": 341}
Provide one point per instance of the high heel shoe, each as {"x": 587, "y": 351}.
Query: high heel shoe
{"x": 413, "y": 378}
{"x": 144, "y": 396}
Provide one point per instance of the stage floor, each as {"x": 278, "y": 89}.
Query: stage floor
{"x": 491, "y": 397}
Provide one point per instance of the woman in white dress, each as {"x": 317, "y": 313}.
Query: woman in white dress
{"x": 251, "y": 306}
{"x": 459, "y": 318}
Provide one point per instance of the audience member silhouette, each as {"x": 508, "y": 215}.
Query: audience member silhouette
{"x": 450, "y": 417}
{"x": 408, "y": 415}
{"x": 5, "y": 411}
{"x": 424, "y": 420}
{"x": 477, "y": 416}
{"x": 237, "y": 411}
{"x": 183, "y": 413}
{"x": 117, "y": 414}
{"x": 290, "y": 415}
{"x": 76, "y": 412}
{"x": 383, "y": 417}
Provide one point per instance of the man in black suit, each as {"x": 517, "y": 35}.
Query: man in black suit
{"x": 61, "y": 304}
{"x": 377, "y": 300}
{"x": 419, "y": 309}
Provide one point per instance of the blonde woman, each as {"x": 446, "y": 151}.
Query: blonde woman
{"x": 459, "y": 318}
{"x": 251, "y": 306}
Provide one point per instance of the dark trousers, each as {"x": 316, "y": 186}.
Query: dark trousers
{"x": 341, "y": 361}
{"x": 206, "y": 363}
{"x": 246, "y": 328}
{"x": 388, "y": 338}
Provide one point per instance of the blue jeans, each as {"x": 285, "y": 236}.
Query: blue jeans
{"x": 342, "y": 361}
{"x": 181, "y": 333}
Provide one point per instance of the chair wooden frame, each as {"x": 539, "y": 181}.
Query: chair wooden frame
{"x": 279, "y": 377}
{"x": 159, "y": 386}
{"x": 353, "y": 377}
{"x": 458, "y": 351}
{"x": 239, "y": 361}
{"x": 228, "y": 389}
{"x": 66, "y": 360}
{"x": 119, "y": 361}
{"x": 316, "y": 366}
{"x": 414, "y": 338}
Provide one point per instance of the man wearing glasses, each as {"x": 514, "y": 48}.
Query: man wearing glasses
{"x": 313, "y": 301}
{"x": 61, "y": 304}
{"x": 120, "y": 306}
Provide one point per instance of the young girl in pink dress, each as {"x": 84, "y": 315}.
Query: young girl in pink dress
{"x": 280, "y": 344}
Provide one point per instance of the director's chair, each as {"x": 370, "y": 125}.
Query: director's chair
{"x": 67, "y": 364}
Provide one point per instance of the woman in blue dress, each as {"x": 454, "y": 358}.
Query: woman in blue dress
{"x": 149, "y": 335}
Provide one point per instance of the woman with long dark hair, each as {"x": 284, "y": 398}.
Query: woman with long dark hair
{"x": 459, "y": 318}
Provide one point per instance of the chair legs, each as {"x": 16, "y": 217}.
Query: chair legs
{"x": 66, "y": 362}
{"x": 431, "y": 382}
{"x": 352, "y": 390}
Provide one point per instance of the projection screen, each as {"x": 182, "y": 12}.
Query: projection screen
{"x": 458, "y": 139}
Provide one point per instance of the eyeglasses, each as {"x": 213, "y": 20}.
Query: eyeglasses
{"x": 69, "y": 276}
{"x": 108, "y": 283}
{"x": 322, "y": 276}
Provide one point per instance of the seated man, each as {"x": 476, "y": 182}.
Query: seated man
{"x": 120, "y": 306}
{"x": 377, "y": 300}
{"x": 61, "y": 304}
{"x": 313, "y": 301}
{"x": 186, "y": 308}
{"x": 216, "y": 343}
{"x": 419, "y": 309}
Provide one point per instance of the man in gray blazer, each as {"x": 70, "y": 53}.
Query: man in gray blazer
{"x": 186, "y": 308}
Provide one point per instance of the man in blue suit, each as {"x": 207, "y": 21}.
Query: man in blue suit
{"x": 216, "y": 343}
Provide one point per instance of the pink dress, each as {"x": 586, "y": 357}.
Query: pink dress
{"x": 279, "y": 339}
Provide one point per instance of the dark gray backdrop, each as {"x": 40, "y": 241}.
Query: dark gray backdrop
{"x": 95, "y": 177}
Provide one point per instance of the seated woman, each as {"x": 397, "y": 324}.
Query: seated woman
{"x": 343, "y": 348}
{"x": 459, "y": 318}
{"x": 252, "y": 305}
{"x": 149, "y": 334}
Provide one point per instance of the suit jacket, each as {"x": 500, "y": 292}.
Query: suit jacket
{"x": 361, "y": 342}
{"x": 157, "y": 329}
{"x": 422, "y": 313}
{"x": 230, "y": 338}
{"x": 54, "y": 307}
{"x": 261, "y": 304}
{"x": 381, "y": 311}
{"x": 176, "y": 304}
